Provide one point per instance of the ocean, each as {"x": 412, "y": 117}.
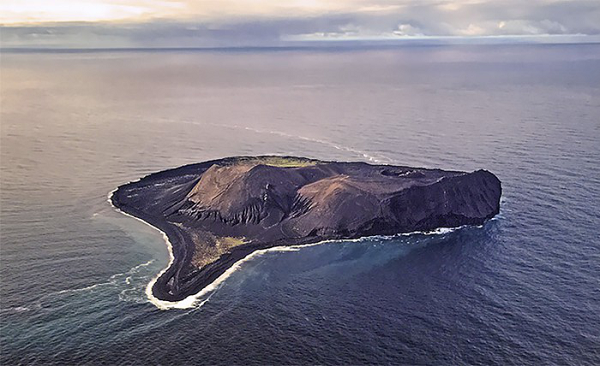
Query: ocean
{"x": 522, "y": 289}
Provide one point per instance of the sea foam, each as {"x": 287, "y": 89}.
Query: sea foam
{"x": 198, "y": 299}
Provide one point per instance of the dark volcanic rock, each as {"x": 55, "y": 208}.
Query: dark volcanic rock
{"x": 217, "y": 212}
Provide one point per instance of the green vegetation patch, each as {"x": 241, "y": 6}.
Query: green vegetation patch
{"x": 208, "y": 247}
{"x": 282, "y": 161}
{"x": 226, "y": 242}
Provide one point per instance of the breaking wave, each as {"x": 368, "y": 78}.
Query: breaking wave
{"x": 199, "y": 299}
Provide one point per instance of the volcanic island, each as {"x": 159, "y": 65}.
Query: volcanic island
{"x": 217, "y": 212}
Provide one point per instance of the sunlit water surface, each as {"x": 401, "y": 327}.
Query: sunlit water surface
{"x": 522, "y": 289}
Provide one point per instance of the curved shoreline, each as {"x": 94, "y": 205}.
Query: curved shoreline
{"x": 414, "y": 200}
{"x": 192, "y": 301}
{"x": 163, "y": 305}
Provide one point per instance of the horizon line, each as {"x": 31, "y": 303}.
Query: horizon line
{"x": 325, "y": 45}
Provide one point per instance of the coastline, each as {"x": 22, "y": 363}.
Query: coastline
{"x": 194, "y": 300}
{"x": 161, "y": 304}
{"x": 157, "y": 196}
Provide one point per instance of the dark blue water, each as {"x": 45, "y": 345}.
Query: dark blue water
{"x": 522, "y": 289}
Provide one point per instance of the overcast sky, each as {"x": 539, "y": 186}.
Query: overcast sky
{"x": 223, "y": 23}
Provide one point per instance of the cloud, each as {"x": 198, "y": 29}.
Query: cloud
{"x": 183, "y": 23}
{"x": 408, "y": 30}
{"x": 35, "y": 11}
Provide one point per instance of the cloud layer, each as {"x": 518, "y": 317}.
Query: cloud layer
{"x": 179, "y": 23}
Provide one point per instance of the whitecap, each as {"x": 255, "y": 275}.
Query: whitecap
{"x": 16, "y": 309}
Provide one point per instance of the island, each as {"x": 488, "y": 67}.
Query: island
{"x": 216, "y": 213}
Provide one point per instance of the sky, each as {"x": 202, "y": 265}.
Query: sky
{"x": 237, "y": 23}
